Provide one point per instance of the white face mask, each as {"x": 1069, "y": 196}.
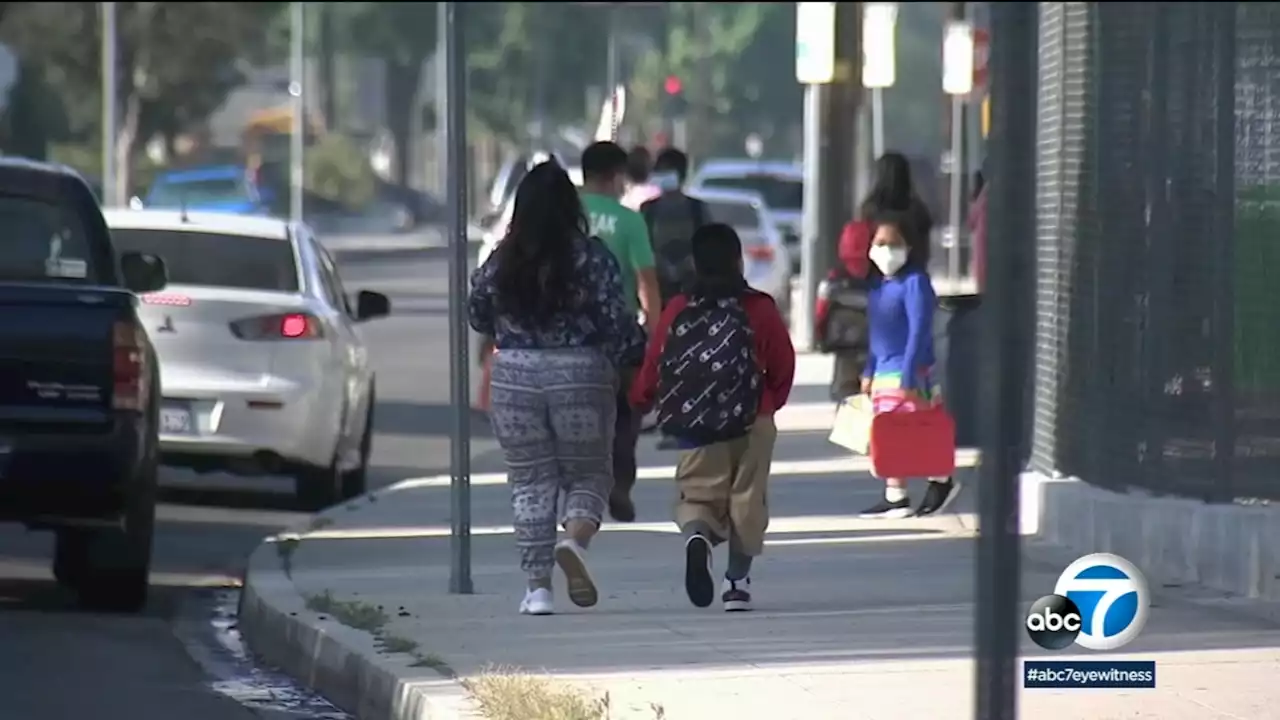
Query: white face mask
{"x": 888, "y": 258}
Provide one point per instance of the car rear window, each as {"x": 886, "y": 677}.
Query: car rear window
{"x": 739, "y": 216}
{"x": 215, "y": 260}
{"x": 197, "y": 192}
{"x": 43, "y": 242}
{"x": 779, "y": 193}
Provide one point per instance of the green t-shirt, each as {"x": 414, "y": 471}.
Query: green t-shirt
{"x": 625, "y": 232}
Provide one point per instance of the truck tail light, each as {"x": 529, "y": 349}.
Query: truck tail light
{"x": 129, "y": 366}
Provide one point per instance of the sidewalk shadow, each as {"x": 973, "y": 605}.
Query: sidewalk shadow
{"x": 397, "y": 417}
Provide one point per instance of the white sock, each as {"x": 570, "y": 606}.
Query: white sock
{"x": 894, "y": 494}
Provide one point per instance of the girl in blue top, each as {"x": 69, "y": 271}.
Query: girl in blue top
{"x": 899, "y": 373}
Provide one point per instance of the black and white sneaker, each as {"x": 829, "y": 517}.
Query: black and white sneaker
{"x": 938, "y": 497}
{"x": 736, "y": 595}
{"x": 888, "y": 510}
{"x": 699, "y": 584}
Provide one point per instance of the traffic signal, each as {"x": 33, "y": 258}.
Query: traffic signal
{"x": 674, "y": 103}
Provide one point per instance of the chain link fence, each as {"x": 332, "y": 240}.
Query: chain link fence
{"x": 1157, "y": 327}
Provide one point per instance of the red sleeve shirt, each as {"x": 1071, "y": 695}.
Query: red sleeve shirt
{"x": 775, "y": 354}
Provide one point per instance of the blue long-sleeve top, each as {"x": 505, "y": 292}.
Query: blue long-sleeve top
{"x": 900, "y": 315}
{"x": 601, "y": 321}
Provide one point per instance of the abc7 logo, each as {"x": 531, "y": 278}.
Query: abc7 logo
{"x": 1115, "y": 597}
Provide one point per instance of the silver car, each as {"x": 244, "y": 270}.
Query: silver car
{"x": 262, "y": 365}
{"x": 781, "y": 184}
{"x": 764, "y": 255}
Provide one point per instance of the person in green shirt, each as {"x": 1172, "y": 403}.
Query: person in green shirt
{"x": 624, "y": 231}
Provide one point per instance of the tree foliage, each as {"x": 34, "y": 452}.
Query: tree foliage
{"x": 179, "y": 59}
{"x": 176, "y": 61}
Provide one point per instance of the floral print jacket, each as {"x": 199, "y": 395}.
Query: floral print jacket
{"x": 602, "y": 320}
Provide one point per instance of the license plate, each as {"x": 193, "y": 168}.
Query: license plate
{"x": 175, "y": 421}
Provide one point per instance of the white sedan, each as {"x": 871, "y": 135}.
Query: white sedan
{"x": 262, "y": 366}
{"x": 765, "y": 260}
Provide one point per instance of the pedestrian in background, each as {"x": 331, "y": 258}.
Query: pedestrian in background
{"x": 551, "y": 296}
{"x": 604, "y": 167}
{"x": 639, "y": 187}
{"x": 719, "y": 365}
{"x": 899, "y": 374}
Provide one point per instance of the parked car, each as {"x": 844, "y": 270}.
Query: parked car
{"x": 217, "y": 188}
{"x": 781, "y": 184}
{"x": 79, "y": 385}
{"x": 263, "y": 365}
{"x": 764, "y": 255}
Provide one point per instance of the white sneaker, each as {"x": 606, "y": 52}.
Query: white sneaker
{"x": 537, "y": 602}
{"x": 572, "y": 560}
{"x": 736, "y": 595}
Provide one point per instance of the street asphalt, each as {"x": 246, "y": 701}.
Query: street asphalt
{"x": 182, "y": 658}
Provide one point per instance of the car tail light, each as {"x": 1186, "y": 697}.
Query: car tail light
{"x": 129, "y": 366}
{"x": 759, "y": 252}
{"x": 169, "y": 299}
{"x": 290, "y": 326}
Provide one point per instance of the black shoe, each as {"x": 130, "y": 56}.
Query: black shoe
{"x": 621, "y": 508}
{"x": 886, "y": 509}
{"x": 698, "y": 582}
{"x": 736, "y": 595}
{"x": 938, "y": 497}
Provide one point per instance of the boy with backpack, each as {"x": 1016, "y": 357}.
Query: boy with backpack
{"x": 719, "y": 364}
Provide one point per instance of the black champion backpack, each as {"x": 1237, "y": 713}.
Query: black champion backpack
{"x": 673, "y": 217}
{"x": 708, "y": 380}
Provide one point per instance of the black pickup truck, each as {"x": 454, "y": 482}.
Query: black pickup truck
{"x": 79, "y": 385}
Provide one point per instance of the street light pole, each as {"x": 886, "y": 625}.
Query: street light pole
{"x": 298, "y": 127}
{"x": 879, "y": 71}
{"x": 110, "y": 110}
{"x": 613, "y": 67}
{"x": 454, "y": 82}
{"x": 957, "y": 81}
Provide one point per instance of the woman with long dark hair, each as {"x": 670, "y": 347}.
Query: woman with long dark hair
{"x": 894, "y": 191}
{"x": 551, "y": 297}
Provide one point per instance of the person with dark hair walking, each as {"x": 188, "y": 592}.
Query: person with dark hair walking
{"x": 551, "y": 296}
{"x": 604, "y": 166}
{"x": 899, "y": 374}
{"x": 719, "y": 365}
{"x": 673, "y": 217}
{"x": 890, "y": 248}
{"x": 639, "y": 188}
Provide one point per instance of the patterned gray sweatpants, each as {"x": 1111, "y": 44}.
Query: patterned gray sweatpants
{"x": 553, "y": 414}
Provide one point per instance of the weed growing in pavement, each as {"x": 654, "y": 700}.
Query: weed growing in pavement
{"x": 433, "y": 661}
{"x": 352, "y": 613}
{"x": 396, "y": 644}
{"x": 506, "y": 695}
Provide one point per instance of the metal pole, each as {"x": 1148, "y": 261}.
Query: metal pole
{"x": 1007, "y": 336}
{"x": 877, "y": 123}
{"x": 454, "y": 70}
{"x": 110, "y": 110}
{"x": 956, "y": 204}
{"x": 811, "y": 219}
{"x": 613, "y": 68}
{"x": 298, "y": 127}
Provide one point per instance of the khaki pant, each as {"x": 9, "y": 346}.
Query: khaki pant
{"x": 725, "y": 486}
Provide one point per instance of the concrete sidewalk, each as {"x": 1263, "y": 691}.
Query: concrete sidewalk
{"x": 854, "y": 619}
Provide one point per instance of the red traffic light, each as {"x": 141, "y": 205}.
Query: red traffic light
{"x": 672, "y": 86}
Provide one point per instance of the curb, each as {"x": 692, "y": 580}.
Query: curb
{"x": 340, "y": 663}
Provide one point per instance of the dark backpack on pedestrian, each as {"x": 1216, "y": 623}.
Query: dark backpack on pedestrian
{"x": 673, "y": 218}
{"x": 708, "y": 381}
